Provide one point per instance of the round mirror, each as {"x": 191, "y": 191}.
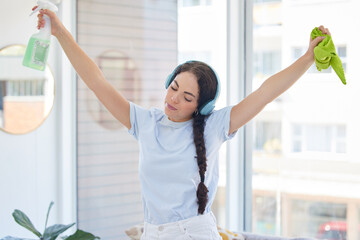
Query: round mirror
{"x": 26, "y": 95}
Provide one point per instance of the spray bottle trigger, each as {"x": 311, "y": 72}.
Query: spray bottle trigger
{"x": 43, "y": 4}
{"x": 34, "y": 11}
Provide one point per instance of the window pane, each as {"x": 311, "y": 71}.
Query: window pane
{"x": 268, "y": 136}
{"x": 322, "y": 219}
{"x": 264, "y": 214}
{"x": 310, "y": 187}
{"x": 318, "y": 138}
{"x": 342, "y": 51}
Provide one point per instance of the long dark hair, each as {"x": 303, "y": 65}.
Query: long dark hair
{"x": 207, "y": 82}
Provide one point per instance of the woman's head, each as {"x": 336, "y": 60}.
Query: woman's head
{"x": 190, "y": 87}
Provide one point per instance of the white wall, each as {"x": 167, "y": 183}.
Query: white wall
{"x": 37, "y": 168}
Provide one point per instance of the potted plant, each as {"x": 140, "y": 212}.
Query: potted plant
{"x": 50, "y": 233}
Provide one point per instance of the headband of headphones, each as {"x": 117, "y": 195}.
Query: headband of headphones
{"x": 207, "y": 107}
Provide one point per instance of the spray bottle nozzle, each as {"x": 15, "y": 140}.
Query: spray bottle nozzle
{"x": 43, "y": 4}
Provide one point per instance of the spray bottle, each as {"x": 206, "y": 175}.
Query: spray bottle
{"x": 37, "y": 49}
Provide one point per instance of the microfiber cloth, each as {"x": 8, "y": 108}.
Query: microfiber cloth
{"x": 325, "y": 54}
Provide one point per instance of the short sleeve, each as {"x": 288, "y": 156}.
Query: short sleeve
{"x": 138, "y": 117}
{"x": 218, "y": 123}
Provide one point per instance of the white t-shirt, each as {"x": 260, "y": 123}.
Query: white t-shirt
{"x": 168, "y": 169}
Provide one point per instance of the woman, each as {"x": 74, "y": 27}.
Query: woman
{"x": 179, "y": 146}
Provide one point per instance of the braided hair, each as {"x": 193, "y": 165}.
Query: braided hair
{"x": 207, "y": 82}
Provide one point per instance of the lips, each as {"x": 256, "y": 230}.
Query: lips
{"x": 170, "y": 107}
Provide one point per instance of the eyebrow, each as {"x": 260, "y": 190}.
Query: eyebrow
{"x": 184, "y": 91}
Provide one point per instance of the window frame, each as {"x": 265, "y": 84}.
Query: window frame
{"x": 239, "y": 149}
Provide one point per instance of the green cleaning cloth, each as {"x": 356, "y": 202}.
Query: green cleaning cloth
{"x": 325, "y": 54}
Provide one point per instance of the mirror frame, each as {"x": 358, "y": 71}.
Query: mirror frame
{"x": 53, "y": 102}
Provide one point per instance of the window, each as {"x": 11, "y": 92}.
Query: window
{"x": 309, "y": 187}
{"x": 267, "y": 136}
{"x": 265, "y": 214}
{"x": 25, "y": 88}
{"x": 341, "y": 51}
{"x": 318, "y": 138}
{"x": 325, "y": 220}
{"x": 267, "y": 62}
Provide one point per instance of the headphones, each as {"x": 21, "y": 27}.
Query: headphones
{"x": 207, "y": 107}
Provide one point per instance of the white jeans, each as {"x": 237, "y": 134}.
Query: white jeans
{"x": 202, "y": 227}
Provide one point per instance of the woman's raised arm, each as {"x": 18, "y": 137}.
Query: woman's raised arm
{"x": 273, "y": 87}
{"x": 88, "y": 71}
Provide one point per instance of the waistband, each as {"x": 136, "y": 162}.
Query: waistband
{"x": 207, "y": 217}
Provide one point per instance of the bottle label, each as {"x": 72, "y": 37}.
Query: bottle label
{"x": 39, "y": 53}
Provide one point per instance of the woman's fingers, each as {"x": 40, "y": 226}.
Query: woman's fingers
{"x": 324, "y": 30}
{"x": 317, "y": 40}
{"x": 55, "y": 22}
{"x": 327, "y": 31}
{"x": 41, "y": 21}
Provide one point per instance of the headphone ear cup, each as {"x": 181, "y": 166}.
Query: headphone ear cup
{"x": 207, "y": 107}
{"x": 168, "y": 80}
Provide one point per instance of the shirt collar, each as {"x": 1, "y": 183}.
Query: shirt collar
{"x": 167, "y": 122}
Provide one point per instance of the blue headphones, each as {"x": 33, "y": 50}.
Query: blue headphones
{"x": 207, "y": 107}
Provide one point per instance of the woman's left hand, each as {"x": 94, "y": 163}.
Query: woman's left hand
{"x": 314, "y": 42}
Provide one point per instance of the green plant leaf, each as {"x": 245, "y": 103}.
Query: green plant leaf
{"x": 81, "y": 235}
{"x": 24, "y": 221}
{"x": 52, "y": 232}
{"x": 47, "y": 215}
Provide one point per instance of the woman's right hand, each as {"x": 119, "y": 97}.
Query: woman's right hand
{"x": 56, "y": 24}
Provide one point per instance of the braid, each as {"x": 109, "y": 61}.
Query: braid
{"x": 198, "y": 130}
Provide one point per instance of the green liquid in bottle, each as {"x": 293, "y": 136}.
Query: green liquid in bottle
{"x": 36, "y": 53}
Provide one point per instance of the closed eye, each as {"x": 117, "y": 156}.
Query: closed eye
{"x": 186, "y": 99}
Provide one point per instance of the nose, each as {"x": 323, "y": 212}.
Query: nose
{"x": 175, "y": 98}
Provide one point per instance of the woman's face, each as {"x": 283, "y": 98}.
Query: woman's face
{"x": 182, "y": 97}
